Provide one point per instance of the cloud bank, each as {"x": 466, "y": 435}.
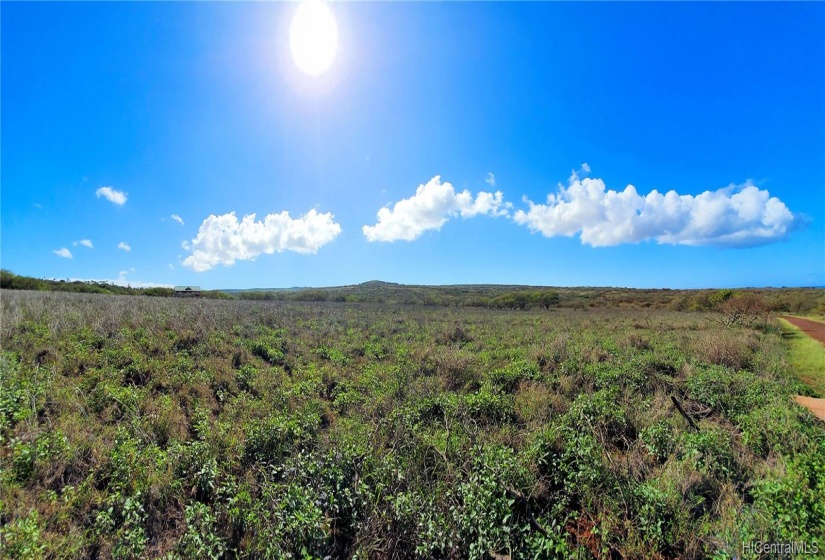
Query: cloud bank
{"x": 113, "y": 196}
{"x": 223, "y": 239}
{"x": 734, "y": 216}
{"x": 121, "y": 280}
{"x": 431, "y": 207}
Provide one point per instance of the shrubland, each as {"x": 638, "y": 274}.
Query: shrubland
{"x": 798, "y": 301}
{"x": 135, "y": 427}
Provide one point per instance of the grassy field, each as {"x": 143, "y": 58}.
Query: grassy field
{"x": 138, "y": 427}
{"x": 806, "y": 357}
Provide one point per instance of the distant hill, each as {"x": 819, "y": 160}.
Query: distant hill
{"x": 368, "y": 284}
{"x": 786, "y": 300}
{"x": 795, "y": 300}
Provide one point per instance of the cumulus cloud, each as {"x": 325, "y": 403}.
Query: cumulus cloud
{"x": 177, "y": 218}
{"x": 734, "y": 216}
{"x": 84, "y": 242}
{"x": 123, "y": 246}
{"x": 63, "y": 252}
{"x": 431, "y": 207}
{"x": 490, "y": 180}
{"x": 113, "y": 196}
{"x": 223, "y": 239}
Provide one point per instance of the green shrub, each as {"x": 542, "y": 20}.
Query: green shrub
{"x": 710, "y": 451}
{"x": 733, "y": 393}
{"x": 28, "y": 455}
{"x": 14, "y": 396}
{"x": 794, "y": 501}
{"x": 20, "y": 539}
{"x": 245, "y": 377}
{"x": 197, "y": 468}
{"x": 131, "y": 540}
{"x": 488, "y": 405}
{"x": 603, "y": 415}
{"x": 659, "y": 440}
{"x": 201, "y": 539}
{"x": 484, "y": 513}
{"x": 332, "y": 354}
{"x": 278, "y": 436}
{"x": 508, "y": 378}
{"x": 656, "y": 514}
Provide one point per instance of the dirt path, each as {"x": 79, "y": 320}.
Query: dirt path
{"x": 815, "y": 330}
{"x": 817, "y": 406}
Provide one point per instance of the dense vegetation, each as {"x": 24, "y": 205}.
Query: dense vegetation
{"x": 784, "y": 300}
{"x": 142, "y": 427}
{"x": 806, "y": 301}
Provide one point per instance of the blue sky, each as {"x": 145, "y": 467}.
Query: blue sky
{"x": 117, "y": 116}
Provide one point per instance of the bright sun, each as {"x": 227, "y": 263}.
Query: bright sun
{"x": 313, "y": 37}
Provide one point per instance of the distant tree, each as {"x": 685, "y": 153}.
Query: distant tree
{"x": 6, "y": 279}
{"x": 158, "y": 292}
{"x": 719, "y": 297}
{"x": 512, "y": 300}
{"x": 546, "y": 298}
{"x": 743, "y": 308}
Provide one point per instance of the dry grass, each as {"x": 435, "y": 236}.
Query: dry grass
{"x": 731, "y": 348}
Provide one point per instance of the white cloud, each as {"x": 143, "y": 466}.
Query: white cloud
{"x": 583, "y": 171}
{"x": 490, "y": 180}
{"x": 430, "y": 208}
{"x": 63, "y": 252}
{"x": 736, "y": 216}
{"x": 177, "y": 219}
{"x": 121, "y": 276}
{"x": 123, "y": 246}
{"x": 223, "y": 239}
{"x": 113, "y": 196}
{"x": 84, "y": 242}
{"x": 121, "y": 280}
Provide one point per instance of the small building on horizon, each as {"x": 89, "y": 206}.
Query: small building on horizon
{"x": 187, "y": 291}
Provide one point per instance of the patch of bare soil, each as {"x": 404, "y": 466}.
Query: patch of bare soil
{"x": 817, "y": 406}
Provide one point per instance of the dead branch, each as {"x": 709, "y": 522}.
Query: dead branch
{"x": 685, "y": 414}
{"x": 530, "y": 517}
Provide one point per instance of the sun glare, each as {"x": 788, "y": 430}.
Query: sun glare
{"x": 313, "y": 37}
